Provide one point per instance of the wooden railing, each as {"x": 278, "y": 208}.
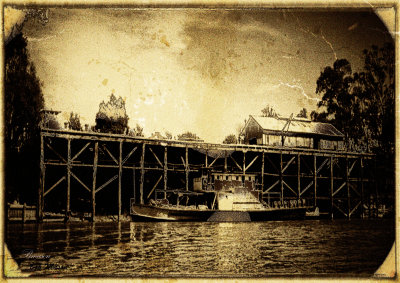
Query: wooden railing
{"x": 21, "y": 212}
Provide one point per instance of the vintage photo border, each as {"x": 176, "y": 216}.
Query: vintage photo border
{"x": 387, "y": 267}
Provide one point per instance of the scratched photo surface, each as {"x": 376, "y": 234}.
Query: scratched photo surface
{"x": 195, "y": 142}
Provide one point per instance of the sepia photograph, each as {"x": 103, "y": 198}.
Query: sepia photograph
{"x": 220, "y": 141}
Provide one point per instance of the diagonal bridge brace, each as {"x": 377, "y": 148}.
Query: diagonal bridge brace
{"x": 287, "y": 164}
{"x": 129, "y": 155}
{"x": 251, "y": 163}
{"x": 110, "y": 154}
{"x": 234, "y": 161}
{"x": 155, "y": 186}
{"x": 55, "y": 185}
{"x": 56, "y": 153}
{"x": 155, "y": 156}
{"x": 79, "y": 153}
{"x": 309, "y": 186}
{"x": 80, "y": 182}
{"x": 106, "y": 183}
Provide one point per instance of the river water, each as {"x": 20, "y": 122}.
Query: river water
{"x": 248, "y": 249}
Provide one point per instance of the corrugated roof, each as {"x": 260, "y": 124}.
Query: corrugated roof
{"x": 297, "y": 126}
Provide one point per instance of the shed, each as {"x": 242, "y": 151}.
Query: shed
{"x": 291, "y": 132}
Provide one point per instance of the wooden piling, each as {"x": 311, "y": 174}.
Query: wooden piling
{"x": 186, "y": 168}
{"x": 281, "y": 175}
{"x": 362, "y": 185}
{"x": 262, "y": 172}
{"x": 95, "y": 161}
{"x": 315, "y": 180}
{"x": 68, "y": 208}
{"x": 298, "y": 176}
{"x": 24, "y": 213}
{"x": 165, "y": 171}
{"x": 348, "y": 189}
{"x": 376, "y": 189}
{"x": 134, "y": 184}
{"x": 225, "y": 161}
{"x": 331, "y": 185}
{"x": 142, "y": 173}
{"x": 244, "y": 162}
{"x": 119, "y": 180}
{"x": 42, "y": 181}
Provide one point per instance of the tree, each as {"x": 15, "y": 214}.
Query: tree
{"x": 168, "y": 135}
{"x": 334, "y": 84}
{"x": 302, "y": 113}
{"x": 375, "y": 88}
{"x": 361, "y": 105}
{"x": 23, "y": 100}
{"x": 230, "y": 139}
{"x": 112, "y": 117}
{"x": 74, "y": 122}
{"x": 268, "y": 111}
{"x": 51, "y": 122}
{"x": 188, "y": 136}
{"x": 136, "y": 132}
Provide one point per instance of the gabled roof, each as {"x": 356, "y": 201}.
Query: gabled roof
{"x": 296, "y": 125}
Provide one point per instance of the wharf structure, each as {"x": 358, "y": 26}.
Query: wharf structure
{"x": 98, "y": 173}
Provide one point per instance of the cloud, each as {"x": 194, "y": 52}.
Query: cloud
{"x": 206, "y": 70}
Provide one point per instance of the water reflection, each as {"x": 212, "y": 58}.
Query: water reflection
{"x": 201, "y": 249}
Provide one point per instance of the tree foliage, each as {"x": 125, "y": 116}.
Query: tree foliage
{"x": 334, "y": 84}
{"x": 302, "y": 113}
{"x": 23, "y": 101}
{"x": 268, "y": 111}
{"x": 168, "y": 135}
{"x": 361, "y": 105}
{"x": 138, "y": 131}
{"x": 112, "y": 117}
{"x": 74, "y": 122}
{"x": 52, "y": 122}
{"x": 230, "y": 139}
{"x": 375, "y": 88}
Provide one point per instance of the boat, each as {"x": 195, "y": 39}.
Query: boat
{"x": 221, "y": 197}
{"x": 313, "y": 214}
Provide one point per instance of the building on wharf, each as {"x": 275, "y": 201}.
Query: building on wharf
{"x": 291, "y": 132}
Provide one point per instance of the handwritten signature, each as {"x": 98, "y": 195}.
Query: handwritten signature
{"x": 32, "y": 255}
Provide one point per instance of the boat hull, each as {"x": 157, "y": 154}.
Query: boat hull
{"x": 153, "y": 213}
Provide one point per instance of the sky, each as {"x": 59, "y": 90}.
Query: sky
{"x": 197, "y": 70}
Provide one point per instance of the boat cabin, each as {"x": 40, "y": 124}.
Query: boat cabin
{"x": 224, "y": 182}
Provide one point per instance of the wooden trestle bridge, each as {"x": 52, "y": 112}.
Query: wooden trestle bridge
{"x": 101, "y": 173}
